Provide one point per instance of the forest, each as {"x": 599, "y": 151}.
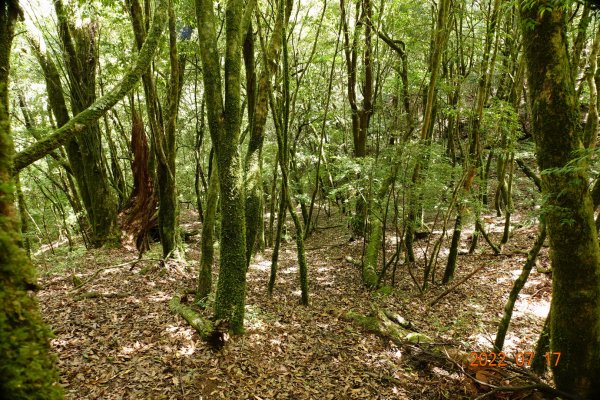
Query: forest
{"x": 311, "y": 199}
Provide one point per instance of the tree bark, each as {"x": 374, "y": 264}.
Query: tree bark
{"x": 208, "y": 234}
{"x": 28, "y": 369}
{"x": 574, "y": 251}
{"x": 224, "y": 119}
{"x": 91, "y": 114}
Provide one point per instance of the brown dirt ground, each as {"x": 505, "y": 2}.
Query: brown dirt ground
{"x": 131, "y": 347}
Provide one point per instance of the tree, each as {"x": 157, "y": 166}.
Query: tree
{"x": 85, "y": 149}
{"x": 28, "y": 369}
{"x": 224, "y": 120}
{"x": 163, "y": 134}
{"x": 360, "y": 117}
{"x": 574, "y": 250}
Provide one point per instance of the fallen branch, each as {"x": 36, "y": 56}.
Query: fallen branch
{"x": 480, "y": 228}
{"x": 203, "y": 326}
{"x": 457, "y": 284}
{"x": 80, "y": 285}
{"x": 390, "y": 326}
{"x": 95, "y": 295}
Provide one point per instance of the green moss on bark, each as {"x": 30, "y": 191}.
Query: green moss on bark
{"x": 224, "y": 124}
{"x": 574, "y": 251}
{"x": 369, "y": 265}
{"x": 27, "y": 367}
{"x": 208, "y": 235}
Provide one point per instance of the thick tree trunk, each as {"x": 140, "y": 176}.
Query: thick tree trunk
{"x": 574, "y": 251}
{"x": 138, "y": 216}
{"x": 27, "y": 369}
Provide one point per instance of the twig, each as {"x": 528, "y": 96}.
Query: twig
{"x": 94, "y": 295}
{"x": 457, "y": 284}
{"x": 539, "y": 385}
{"x": 95, "y": 274}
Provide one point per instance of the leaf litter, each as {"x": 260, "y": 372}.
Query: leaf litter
{"x": 131, "y": 347}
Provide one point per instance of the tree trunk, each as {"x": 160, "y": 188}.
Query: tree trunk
{"x": 574, "y": 251}
{"x": 85, "y": 150}
{"x": 360, "y": 116}
{"x": 258, "y": 119}
{"x": 28, "y": 368}
{"x": 517, "y": 286}
{"x": 163, "y": 134}
{"x": 138, "y": 216}
{"x": 224, "y": 118}
{"x": 208, "y": 234}
{"x": 168, "y": 212}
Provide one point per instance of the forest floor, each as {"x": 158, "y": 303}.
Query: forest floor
{"x": 115, "y": 337}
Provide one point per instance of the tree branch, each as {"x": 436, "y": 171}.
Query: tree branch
{"x": 91, "y": 114}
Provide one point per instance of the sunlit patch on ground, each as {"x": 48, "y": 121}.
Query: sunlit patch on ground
{"x": 133, "y": 347}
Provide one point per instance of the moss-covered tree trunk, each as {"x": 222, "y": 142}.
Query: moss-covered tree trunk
{"x": 252, "y": 163}
{"x": 27, "y": 368}
{"x": 361, "y": 117}
{"x": 163, "y": 133}
{"x": 165, "y": 147}
{"x": 574, "y": 251}
{"x": 85, "y": 150}
{"x": 224, "y": 118}
{"x": 208, "y": 235}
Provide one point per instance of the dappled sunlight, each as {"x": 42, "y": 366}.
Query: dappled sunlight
{"x": 290, "y": 270}
{"x": 262, "y": 266}
{"x": 133, "y": 348}
{"x": 160, "y": 297}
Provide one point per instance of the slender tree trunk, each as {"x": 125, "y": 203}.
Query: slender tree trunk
{"x": 27, "y": 369}
{"x": 208, "y": 235}
{"x": 258, "y": 119}
{"x": 439, "y": 40}
{"x": 518, "y": 285}
{"x": 168, "y": 210}
{"x": 361, "y": 117}
{"x": 574, "y": 251}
